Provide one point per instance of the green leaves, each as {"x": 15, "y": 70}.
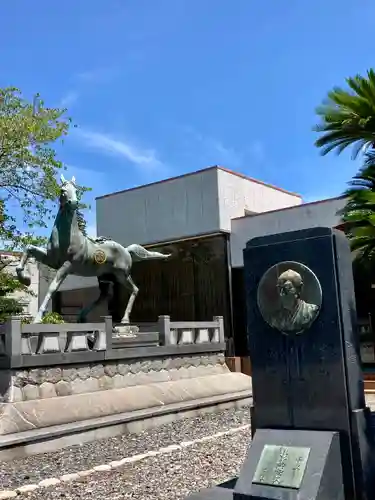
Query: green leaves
{"x": 50, "y": 318}
{"x": 10, "y": 305}
{"x": 348, "y": 117}
{"x": 28, "y": 165}
{"x": 359, "y": 212}
{"x": 28, "y": 185}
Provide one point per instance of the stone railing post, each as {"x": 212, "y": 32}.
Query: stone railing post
{"x": 108, "y": 331}
{"x": 219, "y": 336}
{"x": 13, "y": 336}
{"x": 164, "y": 327}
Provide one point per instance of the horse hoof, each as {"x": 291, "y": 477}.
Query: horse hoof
{"x": 23, "y": 279}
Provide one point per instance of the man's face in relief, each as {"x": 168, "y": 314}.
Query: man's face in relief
{"x": 288, "y": 293}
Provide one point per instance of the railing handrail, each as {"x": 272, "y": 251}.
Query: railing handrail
{"x": 62, "y": 327}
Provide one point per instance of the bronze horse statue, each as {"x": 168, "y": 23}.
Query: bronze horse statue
{"x": 71, "y": 252}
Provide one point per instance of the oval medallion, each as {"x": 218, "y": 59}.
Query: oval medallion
{"x": 100, "y": 257}
{"x": 289, "y": 297}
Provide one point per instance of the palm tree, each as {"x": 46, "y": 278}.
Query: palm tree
{"x": 358, "y": 214}
{"x": 348, "y": 117}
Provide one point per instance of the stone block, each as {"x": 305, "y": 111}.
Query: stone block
{"x": 30, "y": 392}
{"x": 118, "y": 381}
{"x": 97, "y": 371}
{"x": 44, "y": 413}
{"x": 131, "y": 379}
{"x": 84, "y": 372}
{"x": 63, "y": 388}
{"x": 69, "y": 374}
{"x": 123, "y": 368}
{"x": 53, "y": 375}
{"x": 36, "y": 376}
{"x": 79, "y": 386}
{"x": 157, "y": 365}
{"x": 146, "y": 366}
{"x": 15, "y": 394}
{"x": 221, "y": 359}
{"x": 135, "y": 367}
{"x": 159, "y": 376}
{"x": 110, "y": 369}
{"x": 205, "y": 360}
{"x": 19, "y": 379}
{"x": 47, "y": 390}
{"x": 105, "y": 382}
{"x": 146, "y": 378}
{"x": 196, "y": 361}
{"x": 175, "y": 363}
{"x": 166, "y": 363}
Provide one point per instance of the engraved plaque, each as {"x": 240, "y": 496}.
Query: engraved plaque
{"x": 289, "y": 297}
{"x": 281, "y": 466}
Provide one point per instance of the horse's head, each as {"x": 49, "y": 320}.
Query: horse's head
{"x": 68, "y": 193}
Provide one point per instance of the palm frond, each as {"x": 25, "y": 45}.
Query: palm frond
{"x": 348, "y": 116}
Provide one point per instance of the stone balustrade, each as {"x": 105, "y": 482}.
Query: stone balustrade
{"x": 194, "y": 332}
{"x": 87, "y": 380}
{"x": 17, "y": 339}
{"x": 25, "y": 345}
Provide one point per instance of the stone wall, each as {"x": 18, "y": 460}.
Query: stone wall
{"x": 42, "y": 383}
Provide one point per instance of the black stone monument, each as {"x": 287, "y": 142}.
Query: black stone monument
{"x": 312, "y": 436}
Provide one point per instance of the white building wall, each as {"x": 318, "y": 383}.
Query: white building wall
{"x": 177, "y": 208}
{"x": 237, "y": 194}
{"x": 322, "y": 213}
{"x": 195, "y": 204}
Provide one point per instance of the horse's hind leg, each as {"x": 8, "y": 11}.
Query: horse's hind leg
{"x": 129, "y": 283}
{"x": 104, "y": 293}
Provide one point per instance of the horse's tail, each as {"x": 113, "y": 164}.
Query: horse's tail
{"x": 139, "y": 253}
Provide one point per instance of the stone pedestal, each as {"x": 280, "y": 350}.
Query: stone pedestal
{"x": 125, "y": 331}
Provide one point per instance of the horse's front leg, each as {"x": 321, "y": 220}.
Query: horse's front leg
{"x": 61, "y": 274}
{"x": 39, "y": 254}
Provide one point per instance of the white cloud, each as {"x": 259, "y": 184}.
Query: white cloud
{"x": 226, "y": 156}
{"x": 257, "y": 151}
{"x": 98, "y": 75}
{"x": 146, "y": 158}
{"x": 69, "y": 99}
{"x": 210, "y": 150}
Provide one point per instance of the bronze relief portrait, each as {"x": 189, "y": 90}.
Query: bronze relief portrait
{"x": 289, "y": 297}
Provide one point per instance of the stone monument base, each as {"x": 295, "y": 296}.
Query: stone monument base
{"x": 286, "y": 464}
{"x": 38, "y": 426}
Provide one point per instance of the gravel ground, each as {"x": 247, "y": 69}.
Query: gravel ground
{"x": 170, "y": 476}
{"x": 77, "y": 458}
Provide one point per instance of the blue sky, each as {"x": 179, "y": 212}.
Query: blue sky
{"x": 162, "y": 87}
